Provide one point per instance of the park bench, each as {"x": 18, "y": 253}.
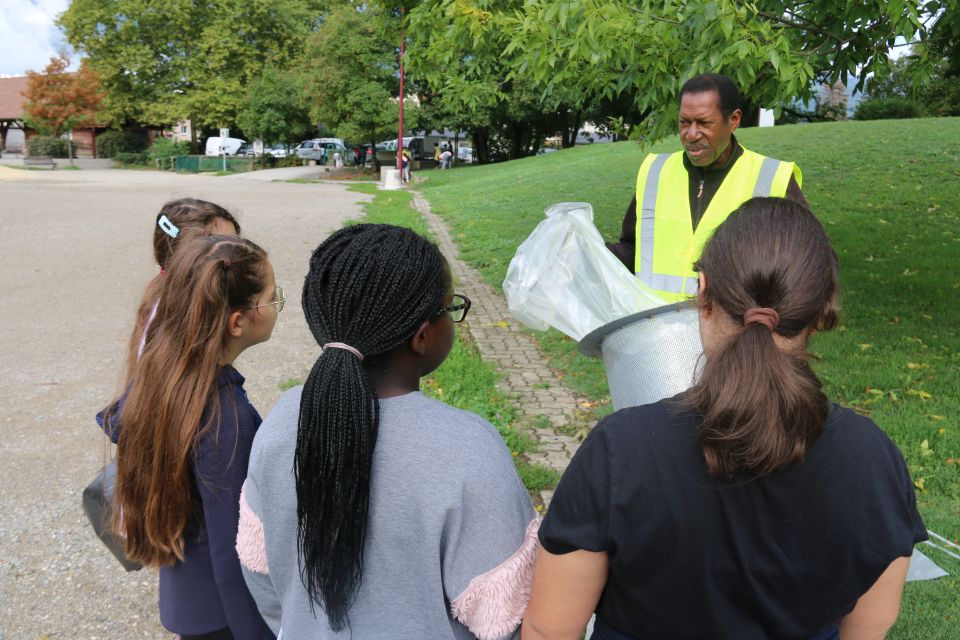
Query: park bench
{"x": 38, "y": 161}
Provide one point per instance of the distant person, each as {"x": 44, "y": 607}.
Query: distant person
{"x": 184, "y": 428}
{"x": 748, "y": 507}
{"x": 684, "y": 196}
{"x": 406, "y": 163}
{"x": 337, "y": 160}
{"x": 357, "y": 156}
{"x": 446, "y": 159}
{"x": 371, "y": 510}
{"x": 436, "y": 153}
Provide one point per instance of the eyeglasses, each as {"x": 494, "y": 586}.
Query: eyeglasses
{"x": 279, "y": 301}
{"x": 458, "y": 310}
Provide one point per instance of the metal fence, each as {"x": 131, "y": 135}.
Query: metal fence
{"x": 198, "y": 164}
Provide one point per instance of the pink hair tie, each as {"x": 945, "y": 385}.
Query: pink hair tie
{"x": 345, "y": 347}
{"x": 762, "y": 315}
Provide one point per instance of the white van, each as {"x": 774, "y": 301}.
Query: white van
{"x": 230, "y": 146}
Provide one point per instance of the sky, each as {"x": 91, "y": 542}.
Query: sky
{"x": 28, "y": 37}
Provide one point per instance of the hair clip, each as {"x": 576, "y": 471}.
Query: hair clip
{"x": 168, "y": 227}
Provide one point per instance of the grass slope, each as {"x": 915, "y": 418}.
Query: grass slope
{"x": 887, "y": 193}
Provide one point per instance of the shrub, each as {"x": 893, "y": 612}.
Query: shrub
{"x": 896, "y": 107}
{"x": 49, "y": 146}
{"x": 131, "y": 158}
{"x": 163, "y": 148}
{"x": 110, "y": 143}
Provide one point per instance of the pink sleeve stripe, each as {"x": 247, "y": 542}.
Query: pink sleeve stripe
{"x": 493, "y": 604}
{"x": 250, "y": 543}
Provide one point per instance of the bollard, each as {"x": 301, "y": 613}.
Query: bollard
{"x": 391, "y": 180}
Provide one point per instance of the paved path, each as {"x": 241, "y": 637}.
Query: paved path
{"x": 75, "y": 253}
{"x": 543, "y": 400}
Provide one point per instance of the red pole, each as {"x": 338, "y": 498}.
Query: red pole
{"x": 400, "y": 134}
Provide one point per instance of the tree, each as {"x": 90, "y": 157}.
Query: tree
{"x": 163, "y": 62}
{"x": 59, "y": 101}
{"x": 772, "y": 48}
{"x": 275, "y": 108}
{"x": 463, "y": 67}
{"x": 352, "y": 74}
{"x": 894, "y": 94}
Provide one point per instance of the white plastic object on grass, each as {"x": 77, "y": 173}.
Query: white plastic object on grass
{"x": 564, "y": 277}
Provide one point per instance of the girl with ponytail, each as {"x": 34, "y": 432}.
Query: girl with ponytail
{"x": 184, "y": 428}
{"x": 369, "y": 510}
{"x": 748, "y": 507}
{"x": 176, "y": 220}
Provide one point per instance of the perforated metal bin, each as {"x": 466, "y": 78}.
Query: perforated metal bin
{"x": 650, "y": 355}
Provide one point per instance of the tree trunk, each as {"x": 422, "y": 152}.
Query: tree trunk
{"x": 570, "y": 125}
{"x": 374, "y": 162}
{"x": 751, "y": 114}
{"x": 194, "y": 145}
{"x": 70, "y": 146}
{"x": 481, "y": 145}
{"x": 4, "y": 127}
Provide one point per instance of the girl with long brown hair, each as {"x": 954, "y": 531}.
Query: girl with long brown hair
{"x": 184, "y": 428}
{"x": 748, "y": 507}
{"x": 174, "y": 219}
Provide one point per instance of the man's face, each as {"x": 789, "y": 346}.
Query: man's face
{"x": 704, "y": 132}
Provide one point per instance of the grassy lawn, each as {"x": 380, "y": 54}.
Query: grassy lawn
{"x": 886, "y": 192}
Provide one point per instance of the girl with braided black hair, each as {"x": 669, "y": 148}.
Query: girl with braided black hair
{"x": 369, "y": 510}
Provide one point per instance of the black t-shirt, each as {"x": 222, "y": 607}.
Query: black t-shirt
{"x": 781, "y": 556}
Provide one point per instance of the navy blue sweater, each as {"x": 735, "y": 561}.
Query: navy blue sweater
{"x": 206, "y": 591}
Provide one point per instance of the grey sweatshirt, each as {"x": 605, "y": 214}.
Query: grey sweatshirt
{"x": 446, "y": 506}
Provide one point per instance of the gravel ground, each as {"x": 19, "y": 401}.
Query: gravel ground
{"x": 75, "y": 254}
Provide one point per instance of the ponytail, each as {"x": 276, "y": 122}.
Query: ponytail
{"x": 771, "y": 269}
{"x": 370, "y": 287}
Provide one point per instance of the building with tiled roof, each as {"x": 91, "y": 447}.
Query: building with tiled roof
{"x": 11, "y": 107}
{"x": 11, "y": 118}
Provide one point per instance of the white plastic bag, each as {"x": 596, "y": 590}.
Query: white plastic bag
{"x": 563, "y": 276}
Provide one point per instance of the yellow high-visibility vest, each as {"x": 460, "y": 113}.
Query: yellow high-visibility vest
{"x": 667, "y": 246}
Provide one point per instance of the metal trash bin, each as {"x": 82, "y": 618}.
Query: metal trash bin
{"x": 649, "y": 355}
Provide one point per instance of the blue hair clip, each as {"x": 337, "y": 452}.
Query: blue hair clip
{"x": 168, "y": 227}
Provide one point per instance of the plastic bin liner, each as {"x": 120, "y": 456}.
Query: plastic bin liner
{"x": 563, "y": 276}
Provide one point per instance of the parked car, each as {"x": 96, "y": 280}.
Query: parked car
{"x": 216, "y": 146}
{"x": 322, "y": 150}
{"x": 387, "y": 150}
{"x": 465, "y": 154}
{"x": 276, "y": 150}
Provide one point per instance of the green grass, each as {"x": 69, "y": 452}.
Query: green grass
{"x": 290, "y": 383}
{"x": 887, "y": 194}
{"x": 464, "y": 380}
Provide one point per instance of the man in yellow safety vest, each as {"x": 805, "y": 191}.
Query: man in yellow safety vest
{"x": 682, "y": 197}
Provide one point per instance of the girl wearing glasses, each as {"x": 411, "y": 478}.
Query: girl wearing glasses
{"x": 184, "y": 429}
{"x": 175, "y": 217}
{"x": 369, "y": 510}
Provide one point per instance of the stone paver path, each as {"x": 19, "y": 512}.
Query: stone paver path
{"x": 500, "y": 339}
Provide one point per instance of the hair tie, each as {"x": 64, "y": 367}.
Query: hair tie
{"x": 168, "y": 227}
{"x": 345, "y": 347}
{"x": 226, "y": 263}
{"x": 762, "y": 315}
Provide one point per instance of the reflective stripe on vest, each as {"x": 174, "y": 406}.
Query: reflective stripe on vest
{"x": 659, "y": 281}
{"x": 752, "y": 175}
